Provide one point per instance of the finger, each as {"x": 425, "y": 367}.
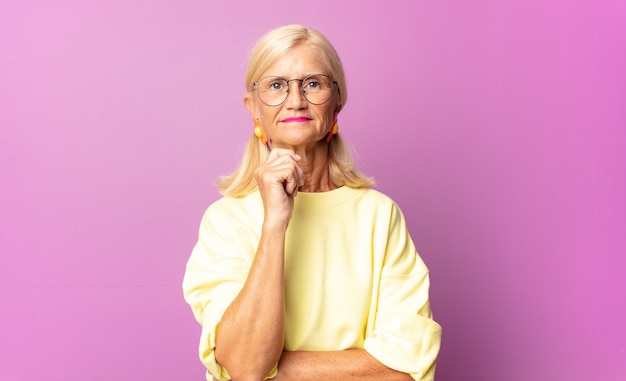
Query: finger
{"x": 287, "y": 173}
{"x": 286, "y": 161}
{"x": 279, "y": 152}
{"x": 296, "y": 172}
{"x": 291, "y": 184}
{"x": 283, "y": 173}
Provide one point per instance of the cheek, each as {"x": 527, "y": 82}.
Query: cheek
{"x": 267, "y": 117}
{"x": 329, "y": 117}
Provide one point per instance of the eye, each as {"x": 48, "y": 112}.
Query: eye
{"x": 316, "y": 83}
{"x": 275, "y": 85}
{"x": 312, "y": 84}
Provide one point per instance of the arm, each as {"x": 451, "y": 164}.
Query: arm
{"x": 347, "y": 365}
{"x": 402, "y": 340}
{"x": 251, "y": 332}
{"x": 404, "y": 335}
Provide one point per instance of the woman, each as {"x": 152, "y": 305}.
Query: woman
{"x": 301, "y": 272}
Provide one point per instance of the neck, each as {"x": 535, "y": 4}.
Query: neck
{"x": 314, "y": 164}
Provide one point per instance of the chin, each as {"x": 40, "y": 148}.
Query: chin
{"x": 300, "y": 140}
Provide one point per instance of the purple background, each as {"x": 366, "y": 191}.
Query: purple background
{"x": 498, "y": 126}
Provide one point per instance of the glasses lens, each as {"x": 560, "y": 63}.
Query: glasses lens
{"x": 273, "y": 90}
{"x": 317, "y": 88}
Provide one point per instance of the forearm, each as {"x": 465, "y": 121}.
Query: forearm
{"x": 251, "y": 333}
{"x": 346, "y": 365}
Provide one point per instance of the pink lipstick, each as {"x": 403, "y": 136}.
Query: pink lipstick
{"x": 296, "y": 119}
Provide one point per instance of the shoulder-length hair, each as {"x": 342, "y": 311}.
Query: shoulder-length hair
{"x": 267, "y": 50}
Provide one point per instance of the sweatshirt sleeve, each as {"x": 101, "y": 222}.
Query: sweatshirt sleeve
{"x": 404, "y": 337}
{"x": 215, "y": 274}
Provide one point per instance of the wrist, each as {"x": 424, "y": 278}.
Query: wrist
{"x": 274, "y": 225}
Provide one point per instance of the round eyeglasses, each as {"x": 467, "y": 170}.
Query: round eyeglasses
{"x": 317, "y": 89}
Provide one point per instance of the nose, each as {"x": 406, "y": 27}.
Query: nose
{"x": 295, "y": 95}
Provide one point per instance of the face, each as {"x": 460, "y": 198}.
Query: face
{"x": 295, "y": 122}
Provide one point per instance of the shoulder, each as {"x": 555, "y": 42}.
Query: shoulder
{"x": 227, "y": 208}
{"x": 378, "y": 196}
{"x": 371, "y": 204}
{"x": 383, "y": 207}
{"x": 375, "y": 198}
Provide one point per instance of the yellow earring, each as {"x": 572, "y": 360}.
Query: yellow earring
{"x": 258, "y": 131}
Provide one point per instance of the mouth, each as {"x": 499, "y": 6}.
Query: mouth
{"x": 296, "y": 119}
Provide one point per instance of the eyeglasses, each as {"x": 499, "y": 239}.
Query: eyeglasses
{"x": 316, "y": 88}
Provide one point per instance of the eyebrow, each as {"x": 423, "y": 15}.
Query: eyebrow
{"x": 304, "y": 76}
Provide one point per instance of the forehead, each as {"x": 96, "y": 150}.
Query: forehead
{"x": 298, "y": 62}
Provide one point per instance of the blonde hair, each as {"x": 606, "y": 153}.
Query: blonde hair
{"x": 267, "y": 50}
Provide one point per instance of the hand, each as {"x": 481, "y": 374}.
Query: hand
{"x": 278, "y": 180}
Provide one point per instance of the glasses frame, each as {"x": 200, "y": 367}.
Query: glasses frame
{"x": 334, "y": 83}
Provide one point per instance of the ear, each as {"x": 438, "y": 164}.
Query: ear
{"x": 248, "y": 101}
{"x": 338, "y": 107}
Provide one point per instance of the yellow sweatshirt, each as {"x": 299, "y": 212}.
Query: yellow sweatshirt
{"x": 353, "y": 278}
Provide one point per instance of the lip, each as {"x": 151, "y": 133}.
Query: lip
{"x": 296, "y": 119}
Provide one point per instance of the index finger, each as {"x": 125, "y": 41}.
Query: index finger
{"x": 278, "y": 152}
